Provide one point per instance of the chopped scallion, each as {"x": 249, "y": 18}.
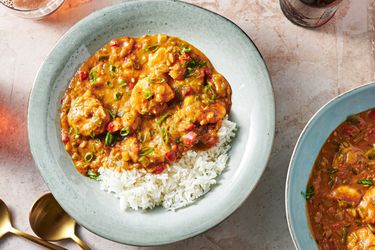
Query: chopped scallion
{"x": 124, "y": 132}
{"x": 89, "y": 156}
{"x": 152, "y": 48}
{"x": 365, "y": 182}
{"x": 161, "y": 119}
{"x": 109, "y": 84}
{"x": 146, "y": 151}
{"x": 92, "y": 175}
{"x": 309, "y": 193}
{"x": 147, "y": 94}
{"x": 108, "y": 139}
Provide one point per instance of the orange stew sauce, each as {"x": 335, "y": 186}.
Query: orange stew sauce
{"x": 340, "y": 193}
{"x": 140, "y": 103}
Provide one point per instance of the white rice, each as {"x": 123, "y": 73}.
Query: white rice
{"x": 179, "y": 185}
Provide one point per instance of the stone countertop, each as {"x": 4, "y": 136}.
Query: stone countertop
{"x": 308, "y": 68}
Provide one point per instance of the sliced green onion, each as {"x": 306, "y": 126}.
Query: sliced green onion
{"x": 161, "y": 119}
{"x": 92, "y": 76}
{"x": 117, "y": 96}
{"x": 309, "y": 193}
{"x": 365, "y": 182}
{"x": 113, "y": 68}
{"x": 89, "y": 156}
{"x": 92, "y": 134}
{"x": 185, "y": 50}
{"x": 210, "y": 92}
{"x": 108, "y": 139}
{"x": 70, "y": 130}
{"x": 77, "y": 135}
{"x": 152, "y": 48}
{"x": 164, "y": 136}
{"x": 146, "y": 151}
{"x": 112, "y": 114}
{"x": 92, "y": 175}
{"x": 147, "y": 94}
{"x": 196, "y": 98}
{"x": 109, "y": 85}
{"x": 156, "y": 79}
{"x": 124, "y": 132}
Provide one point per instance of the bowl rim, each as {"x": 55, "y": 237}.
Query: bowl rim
{"x": 272, "y": 113}
{"x": 297, "y": 146}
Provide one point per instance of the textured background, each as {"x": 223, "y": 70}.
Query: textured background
{"x": 308, "y": 68}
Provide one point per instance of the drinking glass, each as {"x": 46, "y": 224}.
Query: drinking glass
{"x": 309, "y": 13}
{"x": 33, "y": 9}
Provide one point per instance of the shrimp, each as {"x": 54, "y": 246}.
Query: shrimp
{"x": 88, "y": 115}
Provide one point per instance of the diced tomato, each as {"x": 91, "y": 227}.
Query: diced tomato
{"x": 159, "y": 169}
{"x": 188, "y": 91}
{"x": 115, "y": 44}
{"x": 171, "y": 155}
{"x": 190, "y": 127}
{"x": 83, "y": 75}
{"x": 207, "y": 71}
{"x": 211, "y": 141}
{"x": 64, "y": 138}
{"x": 111, "y": 127}
{"x": 351, "y": 130}
{"x": 131, "y": 86}
{"x": 371, "y": 114}
{"x": 190, "y": 138}
{"x": 136, "y": 46}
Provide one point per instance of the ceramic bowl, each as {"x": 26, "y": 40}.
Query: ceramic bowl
{"x": 232, "y": 53}
{"x": 306, "y": 151}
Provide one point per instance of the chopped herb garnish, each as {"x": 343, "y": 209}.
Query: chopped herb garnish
{"x": 196, "y": 98}
{"x": 365, "y": 182}
{"x": 109, "y": 84}
{"x": 152, "y": 48}
{"x": 185, "y": 50}
{"x": 92, "y": 76}
{"x": 210, "y": 92}
{"x": 147, "y": 94}
{"x": 309, "y": 193}
{"x": 70, "y": 130}
{"x": 124, "y": 132}
{"x": 192, "y": 66}
{"x": 108, "y": 139}
{"x": 161, "y": 119}
{"x": 92, "y": 134}
{"x": 344, "y": 234}
{"x": 112, "y": 114}
{"x": 103, "y": 58}
{"x": 113, "y": 68}
{"x": 89, "y": 156}
{"x": 156, "y": 79}
{"x": 353, "y": 120}
{"x": 164, "y": 136}
{"x": 117, "y": 96}
{"x": 92, "y": 175}
{"x": 146, "y": 151}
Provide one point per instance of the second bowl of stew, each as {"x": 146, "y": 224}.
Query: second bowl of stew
{"x": 330, "y": 198}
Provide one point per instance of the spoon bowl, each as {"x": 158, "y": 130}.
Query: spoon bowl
{"x": 50, "y": 222}
{"x": 6, "y": 227}
{"x": 5, "y": 224}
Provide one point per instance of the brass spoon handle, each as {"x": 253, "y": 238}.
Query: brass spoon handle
{"x": 36, "y": 239}
{"x": 82, "y": 244}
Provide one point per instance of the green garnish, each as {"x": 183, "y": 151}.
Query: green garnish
{"x": 352, "y": 120}
{"x": 103, "y": 58}
{"x": 196, "y": 98}
{"x": 92, "y": 175}
{"x": 210, "y": 92}
{"x": 164, "y": 136}
{"x": 365, "y": 182}
{"x": 70, "y": 130}
{"x": 77, "y": 135}
{"x": 124, "y": 132}
{"x": 185, "y": 50}
{"x": 113, "y": 68}
{"x": 109, "y": 85}
{"x": 152, "y": 48}
{"x": 112, "y": 114}
{"x": 161, "y": 119}
{"x": 147, "y": 94}
{"x": 309, "y": 193}
{"x": 192, "y": 66}
{"x": 92, "y": 134}
{"x": 92, "y": 76}
{"x": 108, "y": 139}
{"x": 156, "y": 79}
{"x": 117, "y": 96}
{"x": 146, "y": 151}
{"x": 89, "y": 156}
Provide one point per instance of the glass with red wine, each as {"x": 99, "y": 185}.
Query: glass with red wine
{"x": 309, "y": 13}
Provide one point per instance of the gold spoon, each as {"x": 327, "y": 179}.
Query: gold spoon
{"x": 6, "y": 227}
{"x": 50, "y": 222}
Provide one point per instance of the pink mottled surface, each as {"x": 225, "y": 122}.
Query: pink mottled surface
{"x": 308, "y": 68}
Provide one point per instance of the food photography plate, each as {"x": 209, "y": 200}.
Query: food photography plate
{"x": 311, "y": 140}
{"x": 233, "y": 55}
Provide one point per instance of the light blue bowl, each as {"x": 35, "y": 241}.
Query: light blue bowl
{"x": 307, "y": 149}
{"x": 232, "y": 53}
